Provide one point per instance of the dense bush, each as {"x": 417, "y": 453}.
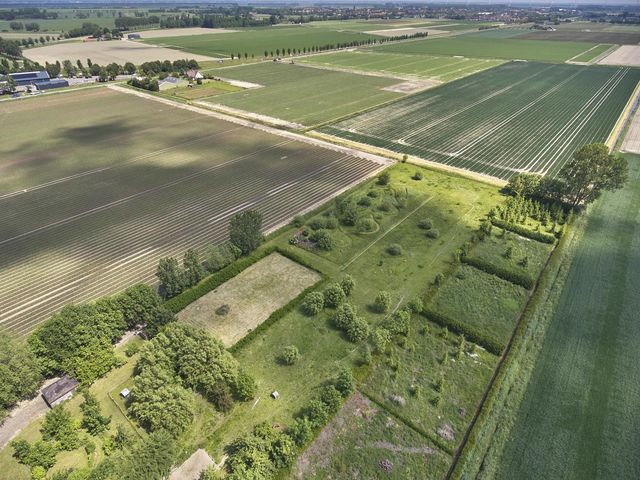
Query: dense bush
{"x": 219, "y": 256}
{"x": 290, "y": 355}
{"x": 382, "y": 302}
{"x": 59, "y": 427}
{"x": 334, "y": 295}
{"x": 508, "y": 274}
{"x": 39, "y": 454}
{"x": 433, "y": 233}
{"x": 298, "y": 221}
{"x": 425, "y": 223}
{"x": 318, "y": 223}
{"x": 92, "y": 418}
{"x": 347, "y": 284}
{"x": 322, "y": 238}
{"x": 245, "y": 387}
{"x": 347, "y": 211}
{"x": 418, "y": 175}
{"x": 384, "y": 178}
{"x": 366, "y": 225}
{"x": 19, "y": 372}
{"x": 344, "y": 382}
{"x": 313, "y": 303}
{"x": 524, "y": 231}
{"x": 245, "y": 231}
{"x": 398, "y": 323}
{"x": 394, "y": 249}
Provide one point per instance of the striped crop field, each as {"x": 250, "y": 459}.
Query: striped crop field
{"x": 517, "y": 117}
{"x": 113, "y": 182}
{"x": 423, "y": 66}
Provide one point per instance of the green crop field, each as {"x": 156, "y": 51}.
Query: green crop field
{"x": 304, "y": 95}
{"x": 487, "y": 46}
{"x": 513, "y": 118}
{"x": 592, "y": 54}
{"x": 257, "y": 41}
{"x": 115, "y": 182}
{"x": 482, "y": 301}
{"x": 579, "y": 417}
{"x": 424, "y": 66}
{"x": 621, "y": 38}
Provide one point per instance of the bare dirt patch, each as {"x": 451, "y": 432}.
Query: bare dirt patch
{"x": 625, "y": 55}
{"x": 412, "y": 86}
{"x": 118, "y": 51}
{"x": 193, "y": 466}
{"x": 181, "y": 32}
{"x": 251, "y": 297}
{"x": 395, "y": 32}
{"x": 632, "y": 139}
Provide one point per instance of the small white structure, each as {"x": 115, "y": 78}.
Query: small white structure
{"x": 275, "y": 395}
{"x": 125, "y": 393}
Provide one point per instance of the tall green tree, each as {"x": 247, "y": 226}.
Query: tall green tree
{"x": 19, "y": 372}
{"x": 170, "y": 276}
{"x": 151, "y": 459}
{"x": 245, "y": 231}
{"x": 92, "y": 418}
{"x": 59, "y": 426}
{"x": 591, "y": 171}
{"x": 193, "y": 269}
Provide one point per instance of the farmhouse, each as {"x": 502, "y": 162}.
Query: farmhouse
{"x": 194, "y": 74}
{"x": 39, "y": 80}
{"x": 59, "y": 391}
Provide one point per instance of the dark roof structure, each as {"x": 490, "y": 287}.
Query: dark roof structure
{"x": 27, "y": 78}
{"x": 59, "y": 389}
{"x": 53, "y": 83}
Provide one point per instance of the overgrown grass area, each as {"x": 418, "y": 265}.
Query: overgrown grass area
{"x": 209, "y": 88}
{"x": 365, "y": 441}
{"x": 481, "y": 301}
{"x": 510, "y": 251}
{"x": 428, "y": 383}
{"x": 303, "y": 94}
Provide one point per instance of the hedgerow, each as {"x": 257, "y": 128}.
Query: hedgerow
{"x": 524, "y": 231}
{"x": 508, "y": 274}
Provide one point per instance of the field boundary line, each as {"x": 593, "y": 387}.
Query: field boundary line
{"x": 275, "y": 131}
{"x": 353, "y": 259}
{"x": 422, "y": 162}
{"x": 614, "y": 135}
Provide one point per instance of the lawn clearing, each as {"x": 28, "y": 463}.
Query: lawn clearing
{"x": 360, "y": 438}
{"x": 254, "y": 41}
{"x": 479, "y": 46}
{"x": 423, "y": 66}
{"x": 116, "y": 181}
{"x": 304, "y": 95}
{"x": 118, "y": 51}
{"x": 580, "y": 414}
{"x": 481, "y": 301}
{"x": 251, "y": 297}
{"x": 209, "y": 88}
{"x": 517, "y": 117}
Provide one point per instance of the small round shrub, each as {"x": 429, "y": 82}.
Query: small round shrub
{"x": 298, "y": 221}
{"x": 433, "y": 233}
{"x": 223, "y": 310}
{"x": 331, "y": 223}
{"x": 364, "y": 201}
{"x": 345, "y": 315}
{"x": 415, "y": 305}
{"x": 373, "y": 194}
{"x": 384, "y": 178}
{"x": 394, "y": 249}
{"x": 317, "y": 223}
{"x": 332, "y": 398}
{"x": 382, "y": 302}
{"x": 357, "y": 330}
{"x": 438, "y": 279}
{"x": 290, "y": 355}
{"x": 245, "y": 387}
{"x": 131, "y": 349}
{"x": 313, "y": 303}
{"x": 334, "y": 295}
{"x": 322, "y": 238}
{"x": 344, "y": 382}
{"x": 348, "y": 284}
{"x": 386, "y": 205}
{"x": 425, "y": 224}
{"x": 418, "y": 175}
{"x": 366, "y": 225}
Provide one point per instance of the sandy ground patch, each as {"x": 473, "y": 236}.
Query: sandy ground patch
{"x": 240, "y": 83}
{"x": 181, "y": 32}
{"x": 411, "y": 87}
{"x": 395, "y": 32}
{"x": 193, "y": 466}
{"x": 624, "y": 55}
{"x": 251, "y": 296}
{"x": 276, "y": 122}
{"x": 118, "y": 51}
{"x": 632, "y": 139}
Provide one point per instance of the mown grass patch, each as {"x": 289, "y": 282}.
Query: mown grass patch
{"x": 480, "y": 300}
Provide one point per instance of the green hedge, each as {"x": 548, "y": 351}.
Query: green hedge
{"x": 524, "y": 231}
{"x": 508, "y": 274}
{"x": 214, "y": 280}
{"x": 488, "y": 342}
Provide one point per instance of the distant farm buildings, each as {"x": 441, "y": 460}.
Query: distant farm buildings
{"x": 37, "y": 80}
{"x": 133, "y": 36}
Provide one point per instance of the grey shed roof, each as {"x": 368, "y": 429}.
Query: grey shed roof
{"x": 59, "y": 389}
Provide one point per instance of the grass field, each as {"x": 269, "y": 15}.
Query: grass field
{"x": 256, "y": 41}
{"x": 513, "y": 118}
{"x": 620, "y": 38}
{"x": 251, "y": 297}
{"x": 209, "y": 88}
{"x": 484, "y": 302}
{"x": 424, "y": 66}
{"x": 487, "y": 46}
{"x": 579, "y": 417}
{"x": 304, "y": 95}
{"x": 360, "y": 437}
{"x": 592, "y": 53}
{"x": 115, "y": 182}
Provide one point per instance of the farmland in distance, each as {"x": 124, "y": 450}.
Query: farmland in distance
{"x": 115, "y": 182}
{"x": 517, "y": 117}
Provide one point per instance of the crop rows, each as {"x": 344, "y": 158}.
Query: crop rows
{"x": 79, "y": 240}
{"x": 518, "y": 117}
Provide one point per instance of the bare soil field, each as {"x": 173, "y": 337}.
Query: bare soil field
{"x": 250, "y": 297}
{"x": 625, "y": 55}
{"x": 182, "y": 32}
{"x": 394, "y": 32}
{"x": 411, "y": 87}
{"x": 632, "y": 139}
{"x": 118, "y": 51}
